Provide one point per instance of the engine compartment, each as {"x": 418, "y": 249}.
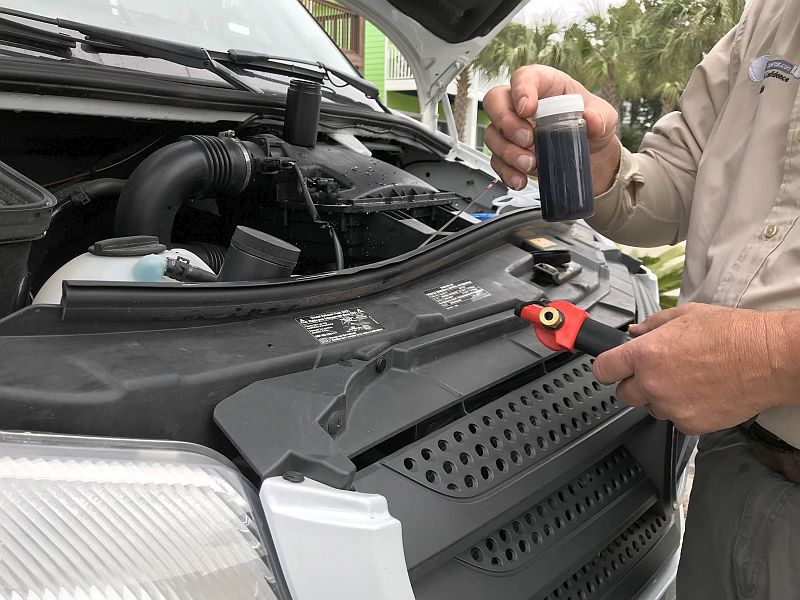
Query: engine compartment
{"x": 410, "y": 378}
{"x": 345, "y": 202}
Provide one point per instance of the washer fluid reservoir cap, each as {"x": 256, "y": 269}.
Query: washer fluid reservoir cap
{"x": 135, "y": 245}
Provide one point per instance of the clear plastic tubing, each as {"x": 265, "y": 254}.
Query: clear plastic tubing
{"x": 562, "y": 159}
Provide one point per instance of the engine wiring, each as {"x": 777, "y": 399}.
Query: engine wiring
{"x": 472, "y": 202}
{"x": 312, "y": 210}
{"x": 95, "y": 171}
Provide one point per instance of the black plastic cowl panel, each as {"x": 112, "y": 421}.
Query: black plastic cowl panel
{"x": 509, "y": 435}
{"x": 598, "y": 578}
{"x": 539, "y": 528}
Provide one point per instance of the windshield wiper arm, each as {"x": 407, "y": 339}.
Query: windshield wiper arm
{"x": 175, "y": 52}
{"x": 111, "y": 40}
{"x": 258, "y": 61}
{"x": 14, "y": 32}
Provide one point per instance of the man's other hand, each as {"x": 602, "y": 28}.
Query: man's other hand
{"x": 703, "y": 367}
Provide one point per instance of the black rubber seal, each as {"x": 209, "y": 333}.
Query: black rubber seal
{"x": 130, "y": 302}
{"x": 134, "y": 245}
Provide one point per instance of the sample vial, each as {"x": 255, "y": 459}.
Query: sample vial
{"x": 562, "y": 159}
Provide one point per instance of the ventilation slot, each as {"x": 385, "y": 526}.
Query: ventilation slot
{"x": 541, "y": 526}
{"x": 507, "y": 436}
{"x": 614, "y": 562}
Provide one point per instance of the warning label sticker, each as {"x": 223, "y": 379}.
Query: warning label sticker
{"x": 339, "y": 325}
{"x": 456, "y": 294}
{"x": 542, "y": 243}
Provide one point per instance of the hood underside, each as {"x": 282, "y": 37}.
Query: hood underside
{"x": 437, "y": 39}
{"x": 456, "y": 22}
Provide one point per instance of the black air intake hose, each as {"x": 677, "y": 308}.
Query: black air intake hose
{"x": 211, "y": 254}
{"x": 196, "y": 166}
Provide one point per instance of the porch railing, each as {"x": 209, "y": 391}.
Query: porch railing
{"x": 396, "y": 65}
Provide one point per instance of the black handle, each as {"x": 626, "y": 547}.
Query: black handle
{"x": 594, "y": 338}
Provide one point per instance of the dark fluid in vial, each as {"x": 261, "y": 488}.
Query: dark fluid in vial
{"x": 565, "y": 175}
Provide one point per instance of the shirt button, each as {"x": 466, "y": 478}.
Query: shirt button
{"x": 770, "y": 231}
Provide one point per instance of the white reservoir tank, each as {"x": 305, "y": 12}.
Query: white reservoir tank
{"x": 118, "y": 259}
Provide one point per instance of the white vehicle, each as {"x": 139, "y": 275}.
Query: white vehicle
{"x": 254, "y": 345}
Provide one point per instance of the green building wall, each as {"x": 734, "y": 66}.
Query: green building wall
{"x": 375, "y": 57}
{"x": 375, "y": 71}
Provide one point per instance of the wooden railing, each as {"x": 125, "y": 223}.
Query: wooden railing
{"x": 345, "y": 28}
{"x": 396, "y": 65}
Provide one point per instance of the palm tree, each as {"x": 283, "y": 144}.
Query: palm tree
{"x": 642, "y": 49}
{"x": 463, "y": 85}
{"x": 601, "y": 51}
{"x": 605, "y": 49}
{"x": 680, "y": 34}
{"x": 516, "y": 45}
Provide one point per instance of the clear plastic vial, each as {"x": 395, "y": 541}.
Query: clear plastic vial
{"x": 562, "y": 159}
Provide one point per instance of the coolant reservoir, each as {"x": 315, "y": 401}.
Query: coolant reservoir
{"x": 118, "y": 259}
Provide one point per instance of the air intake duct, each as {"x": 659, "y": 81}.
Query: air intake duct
{"x": 256, "y": 256}
{"x": 196, "y": 166}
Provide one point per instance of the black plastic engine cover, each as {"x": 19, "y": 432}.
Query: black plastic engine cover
{"x": 378, "y": 210}
{"x": 362, "y": 181}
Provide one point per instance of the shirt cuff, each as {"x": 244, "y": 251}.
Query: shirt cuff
{"x": 611, "y": 205}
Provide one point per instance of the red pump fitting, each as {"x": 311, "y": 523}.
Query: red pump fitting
{"x": 562, "y": 326}
{"x": 557, "y": 325}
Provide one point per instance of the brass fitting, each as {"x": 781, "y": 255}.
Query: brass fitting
{"x": 551, "y": 318}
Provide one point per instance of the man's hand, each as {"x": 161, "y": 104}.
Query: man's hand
{"x": 705, "y": 367}
{"x": 510, "y": 136}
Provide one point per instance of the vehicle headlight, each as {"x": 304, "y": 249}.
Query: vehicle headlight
{"x": 86, "y": 518}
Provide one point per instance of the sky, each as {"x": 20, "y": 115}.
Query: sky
{"x": 563, "y": 11}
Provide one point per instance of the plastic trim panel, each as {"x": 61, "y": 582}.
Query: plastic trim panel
{"x": 507, "y": 436}
{"x": 540, "y": 527}
{"x": 593, "y": 580}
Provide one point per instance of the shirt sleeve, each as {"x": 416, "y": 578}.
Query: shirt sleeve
{"x": 650, "y": 201}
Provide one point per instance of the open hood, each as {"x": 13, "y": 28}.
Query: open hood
{"x": 438, "y": 39}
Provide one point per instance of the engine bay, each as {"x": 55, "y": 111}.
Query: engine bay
{"x": 199, "y": 194}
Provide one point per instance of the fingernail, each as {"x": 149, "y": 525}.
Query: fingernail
{"x": 522, "y": 138}
{"x": 523, "y": 102}
{"x": 518, "y": 182}
{"x": 525, "y": 163}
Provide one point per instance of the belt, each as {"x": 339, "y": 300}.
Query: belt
{"x": 774, "y": 453}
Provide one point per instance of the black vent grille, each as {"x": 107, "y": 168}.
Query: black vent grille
{"x": 506, "y": 436}
{"x": 541, "y": 526}
{"x": 594, "y": 579}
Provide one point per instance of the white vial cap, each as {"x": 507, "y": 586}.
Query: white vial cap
{"x": 558, "y": 105}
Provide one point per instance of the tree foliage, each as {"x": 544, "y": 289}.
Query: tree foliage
{"x": 637, "y": 55}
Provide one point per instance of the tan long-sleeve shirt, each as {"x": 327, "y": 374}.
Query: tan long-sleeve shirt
{"x": 724, "y": 175}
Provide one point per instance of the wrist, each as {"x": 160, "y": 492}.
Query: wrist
{"x": 605, "y": 166}
{"x": 782, "y": 333}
